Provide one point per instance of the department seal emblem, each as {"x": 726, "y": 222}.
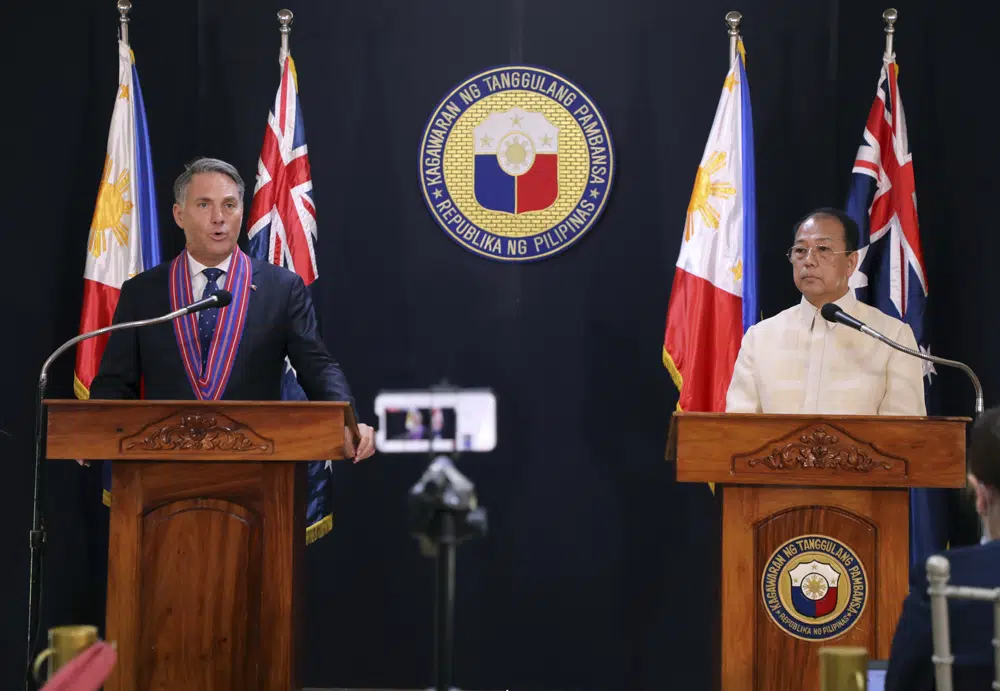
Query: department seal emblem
{"x": 814, "y": 587}
{"x": 516, "y": 163}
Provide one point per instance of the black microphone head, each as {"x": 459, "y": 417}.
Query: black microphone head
{"x": 224, "y": 297}
{"x": 830, "y": 311}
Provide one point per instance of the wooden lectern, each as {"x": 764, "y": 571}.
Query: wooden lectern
{"x": 815, "y": 530}
{"x": 207, "y": 533}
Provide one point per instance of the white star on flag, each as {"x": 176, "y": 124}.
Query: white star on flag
{"x": 928, "y": 365}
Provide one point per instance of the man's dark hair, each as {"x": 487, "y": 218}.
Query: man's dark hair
{"x": 984, "y": 448}
{"x": 851, "y": 234}
{"x": 206, "y": 165}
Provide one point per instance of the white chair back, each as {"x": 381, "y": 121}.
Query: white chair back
{"x": 938, "y": 573}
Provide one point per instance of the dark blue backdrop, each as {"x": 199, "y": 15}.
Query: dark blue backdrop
{"x": 598, "y": 571}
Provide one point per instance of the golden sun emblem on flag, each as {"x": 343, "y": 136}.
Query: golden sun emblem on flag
{"x": 111, "y": 209}
{"x": 704, "y": 189}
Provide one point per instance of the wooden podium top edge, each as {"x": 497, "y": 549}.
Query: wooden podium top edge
{"x": 814, "y": 416}
{"x": 194, "y": 404}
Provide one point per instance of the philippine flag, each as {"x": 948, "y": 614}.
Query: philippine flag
{"x": 713, "y": 300}
{"x": 814, "y": 589}
{"x": 517, "y": 162}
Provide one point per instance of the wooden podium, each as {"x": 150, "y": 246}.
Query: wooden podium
{"x": 207, "y": 533}
{"x": 815, "y": 530}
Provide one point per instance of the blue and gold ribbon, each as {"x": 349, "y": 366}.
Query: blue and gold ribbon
{"x": 211, "y": 384}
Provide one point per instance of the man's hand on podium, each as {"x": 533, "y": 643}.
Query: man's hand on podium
{"x": 367, "y": 446}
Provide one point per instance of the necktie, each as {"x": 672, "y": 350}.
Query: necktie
{"x": 207, "y": 318}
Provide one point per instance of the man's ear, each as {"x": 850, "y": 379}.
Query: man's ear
{"x": 852, "y": 261}
{"x": 982, "y": 494}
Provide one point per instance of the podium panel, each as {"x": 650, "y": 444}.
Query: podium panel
{"x": 804, "y": 568}
{"x": 195, "y": 590}
{"x": 815, "y": 530}
{"x": 207, "y": 533}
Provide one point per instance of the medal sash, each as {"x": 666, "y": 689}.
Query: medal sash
{"x": 228, "y": 327}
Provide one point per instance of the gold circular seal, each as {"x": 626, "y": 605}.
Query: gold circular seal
{"x": 814, "y": 587}
{"x": 516, "y": 163}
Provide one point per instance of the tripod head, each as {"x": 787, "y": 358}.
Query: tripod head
{"x": 443, "y": 491}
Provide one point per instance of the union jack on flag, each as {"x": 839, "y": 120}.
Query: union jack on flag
{"x": 282, "y": 231}
{"x": 891, "y": 273}
{"x": 282, "y": 218}
{"x": 883, "y": 202}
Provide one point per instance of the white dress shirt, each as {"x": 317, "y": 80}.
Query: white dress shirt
{"x": 199, "y": 280}
{"x": 797, "y": 362}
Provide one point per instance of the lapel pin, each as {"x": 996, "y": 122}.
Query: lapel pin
{"x": 253, "y": 287}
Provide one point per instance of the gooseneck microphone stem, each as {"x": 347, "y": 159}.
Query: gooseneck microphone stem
{"x": 36, "y": 537}
{"x": 834, "y": 313}
{"x": 933, "y": 358}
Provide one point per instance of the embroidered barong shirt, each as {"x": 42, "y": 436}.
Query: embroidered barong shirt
{"x": 797, "y": 362}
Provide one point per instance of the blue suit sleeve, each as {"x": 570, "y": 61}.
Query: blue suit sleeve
{"x": 318, "y": 373}
{"x": 118, "y": 376}
{"x": 910, "y": 666}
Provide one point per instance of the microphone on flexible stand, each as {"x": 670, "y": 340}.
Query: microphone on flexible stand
{"x": 833, "y": 313}
{"x": 36, "y": 537}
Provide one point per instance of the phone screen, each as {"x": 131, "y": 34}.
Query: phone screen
{"x": 420, "y": 423}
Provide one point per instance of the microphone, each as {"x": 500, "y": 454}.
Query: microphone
{"x": 834, "y": 313}
{"x": 36, "y": 537}
{"x": 219, "y": 299}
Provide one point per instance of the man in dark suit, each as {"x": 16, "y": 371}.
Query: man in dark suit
{"x": 970, "y": 622}
{"x": 236, "y": 353}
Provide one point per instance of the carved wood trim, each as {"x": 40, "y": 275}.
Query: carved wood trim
{"x": 194, "y": 430}
{"x": 817, "y": 447}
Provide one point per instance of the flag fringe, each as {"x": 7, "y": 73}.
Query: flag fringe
{"x": 79, "y": 389}
{"x": 319, "y": 529}
{"x": 675, "y": 374}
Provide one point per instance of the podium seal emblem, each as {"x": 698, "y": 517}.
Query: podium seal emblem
{"x": 814, "y": 587}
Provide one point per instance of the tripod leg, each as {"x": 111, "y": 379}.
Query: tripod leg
{"x": 445, "y": 616}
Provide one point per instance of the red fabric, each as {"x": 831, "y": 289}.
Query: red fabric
{"x": 87, "y": 671}
{"x": 99, "y": 303}
{"x": 702, "y": 338}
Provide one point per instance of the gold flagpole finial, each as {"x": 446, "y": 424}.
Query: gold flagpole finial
{"x": 889, "y": 17}
{"x": 285, "y": 20}
{"x": 124, "y": 7}
{"x": 733, "y": 20}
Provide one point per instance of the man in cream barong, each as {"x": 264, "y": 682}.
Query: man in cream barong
{"x": 797, "y": 362}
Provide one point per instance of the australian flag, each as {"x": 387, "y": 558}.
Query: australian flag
{"x": 891, "y": 273}
{"x": 282, "y": 230}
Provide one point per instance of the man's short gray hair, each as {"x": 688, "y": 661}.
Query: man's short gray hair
{"x": 205, "y": 165}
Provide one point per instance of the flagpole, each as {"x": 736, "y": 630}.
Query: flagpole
{"x": 285, "y": 18}
{"x": 889, "y": 17}
{"x": 37, "y": 534}
{"x": 733, "y": 20}
{"x": 124, "y": 7}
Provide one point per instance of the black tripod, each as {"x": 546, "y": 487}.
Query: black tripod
{"x": 444, "y": 512}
